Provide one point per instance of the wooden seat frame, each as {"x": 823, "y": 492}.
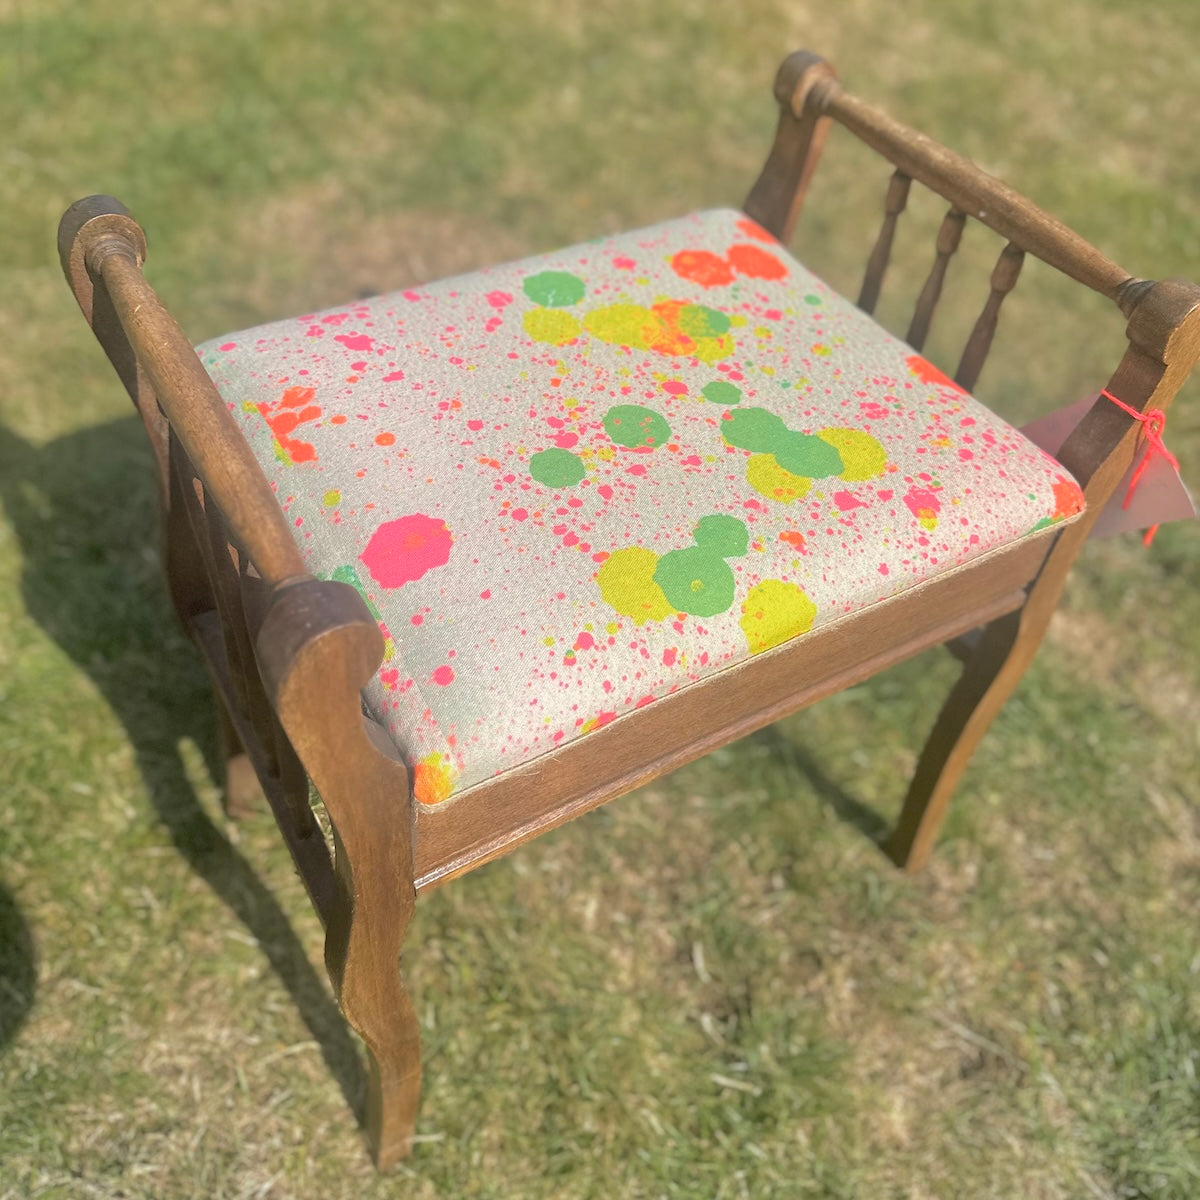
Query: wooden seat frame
{"x": 289, "y": 654}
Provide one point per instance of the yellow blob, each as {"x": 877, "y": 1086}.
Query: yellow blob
{"x": 714, "y": 349}
{"x": 626, "y": 580}
{"x": 623, "y": 325}
{"x": 551, "y": 325}
{"x": 433, "y": 779}
{"x": 863, "y": 456}
{"x": 769, "y": 479}
{"x": 774, "y": 612}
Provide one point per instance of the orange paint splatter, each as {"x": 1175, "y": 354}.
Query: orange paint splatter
{"x": 755, "y": 230}
{"x": 433, "y": 779}
{"x": 1068, "y": 499}
{"x": 291, "y": 410}
{"x": 794, "y": 538}
{"x": 926, "y": 372}
{"x": 755, "y": 262}
{"x": 385, "y": 439}
{"x": 702, "y": 267}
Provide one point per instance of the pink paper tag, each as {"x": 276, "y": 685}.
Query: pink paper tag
{"x": 1160, "y": 497}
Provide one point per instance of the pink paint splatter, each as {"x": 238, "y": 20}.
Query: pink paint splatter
{"x": 402, "y": 550}
{"x": 847, "y": 501}
{"x": 443, "y": 676}
{"x": 499, "y": 299}
{"x": 355, "y": 341}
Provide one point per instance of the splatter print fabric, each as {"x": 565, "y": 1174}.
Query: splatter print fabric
{"x": 572, "y": 485}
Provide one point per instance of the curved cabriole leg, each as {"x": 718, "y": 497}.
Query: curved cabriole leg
{"x": 317, "y": 647}
{"x": 362, "y": 952}
{"x": 989, "y": 677}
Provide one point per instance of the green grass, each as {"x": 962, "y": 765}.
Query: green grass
{"x": 716, "y": 987}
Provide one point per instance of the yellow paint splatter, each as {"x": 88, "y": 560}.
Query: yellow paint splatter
{"x": 863, "y": 457}
{"x": 769, "y": 479}
{"x": 626, "y": 581}
{"x": 775, "y": 612}
{"x": 551, "y": 325}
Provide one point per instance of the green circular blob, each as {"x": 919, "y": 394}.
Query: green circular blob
{"x": 811, "y": 299}
{"x": 807, "y": 454}
{"x": 557, "y": 468}
{"x": 635, "y": 425}
{"x": 695, "y": 581}
{"x": 754, "y": 429}
{"x": 697, "y": 320}
{"x": 723, "y": 534}
{"x": 721, "y": 392}
{"x": 554, "y": 289}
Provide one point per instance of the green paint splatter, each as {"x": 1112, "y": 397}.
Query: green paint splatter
{"x": 722, "y": 393}
{"x": 554, "y": 289}
{"x": 805, "y": 454}
{"x": 635, "y": 425}
{"x": 754, "y": 429}
{"x": 557, "y": 468}
{"x": 696, "y": 581}
{"x": 811, "y": 299}
{"x": 723, "y": 535}
{"x": 697, "y": 321}
{"x": 332, "y": 499}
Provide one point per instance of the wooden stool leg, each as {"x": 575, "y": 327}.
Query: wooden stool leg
{"x": 363, "y": 957}
{"x": 988, "y": 679}
{"x": 242, "y": 792}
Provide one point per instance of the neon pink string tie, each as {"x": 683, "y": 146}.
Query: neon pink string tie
{"x": 1154, "y": 425}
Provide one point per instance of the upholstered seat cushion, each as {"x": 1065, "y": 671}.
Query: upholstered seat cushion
{"x": 572, "y": 485}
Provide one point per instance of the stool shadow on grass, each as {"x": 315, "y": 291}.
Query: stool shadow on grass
{"x": 18, "y": 967}
{"x": 85, "y": 511}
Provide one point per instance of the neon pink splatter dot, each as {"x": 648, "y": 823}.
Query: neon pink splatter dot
{"x": 566, "y": 440}
{"x": 229, "y": 346}
{"x": 486, "y": 595}
{"x": 416, "y": 619}
{"x": 389, "y": 678}
{"x": 443, "y": 675}
{"x": 499, "y": 299}
{"x": 605, "y": 491}
{"x": 394, "y": 377}
{"x": 355, "y": 341}
{"x": 675, "y": 388}
{"x": 883, "y": 568}
{"x": 669, "y": 656}
{"x": 622, "y": 263}
{"x": 475, "y": 426}
{"x": 847, "y": 502}
{"x": 404, "y": 549}
{"x": 519, "y": 514}
{"x": 584, "y": 641}
{"x": 636, "y": 470}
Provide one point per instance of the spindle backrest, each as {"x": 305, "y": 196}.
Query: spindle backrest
{"x": 810, "y": 97}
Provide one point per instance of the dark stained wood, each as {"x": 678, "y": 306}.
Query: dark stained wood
{"x": 318, "y": 646}
{"x": 949, "y": 235}
{"x": 1004, "y": 279}
{"x": 289, "y": 654}
{"x": 893, "y": 205}
{"x": 776, "y": 199}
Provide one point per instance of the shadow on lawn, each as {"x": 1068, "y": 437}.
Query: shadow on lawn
{"x": 84, "y": 509}
{"x": 18, "y": 971}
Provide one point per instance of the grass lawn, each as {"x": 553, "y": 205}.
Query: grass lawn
{"x": 716, "y": 987}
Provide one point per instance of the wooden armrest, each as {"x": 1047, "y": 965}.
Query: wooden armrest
{"x": 102, "y": 249}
